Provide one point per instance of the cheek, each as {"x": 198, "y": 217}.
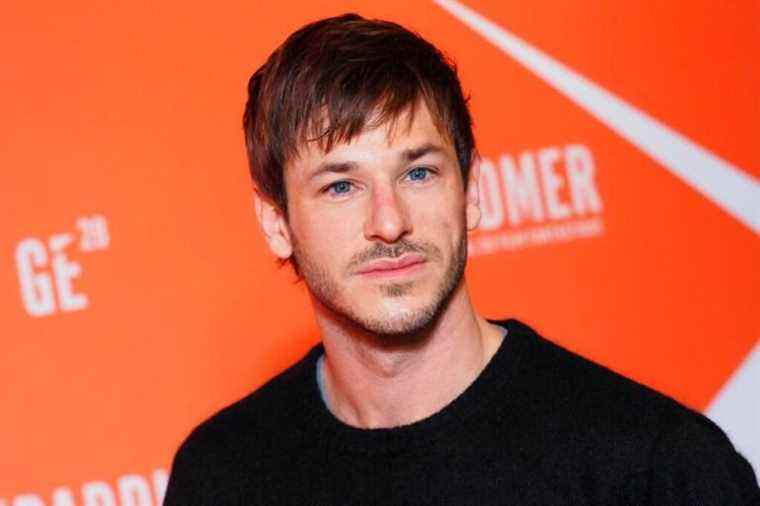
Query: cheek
{"x": 444, "y": 214}
{"x": 326, "y": 237}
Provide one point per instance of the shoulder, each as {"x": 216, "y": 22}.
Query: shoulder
{"x": 693, "y": 462}
{"x": 583, "y": 390}
{"x": 584, "y": 415}
{"x": 244, "y": 436}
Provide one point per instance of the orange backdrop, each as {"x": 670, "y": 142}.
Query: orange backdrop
{"x": 137, "y": 293}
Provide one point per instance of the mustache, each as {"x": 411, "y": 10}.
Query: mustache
{"x": 381, "y": 250}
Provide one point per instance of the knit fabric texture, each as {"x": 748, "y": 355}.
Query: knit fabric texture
{"x": 539, "y": 425}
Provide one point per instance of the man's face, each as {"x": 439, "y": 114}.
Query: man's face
{"x": 378, "y": 225}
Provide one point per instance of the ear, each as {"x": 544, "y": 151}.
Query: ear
{"x": 274, "y": 225}
{"x": 473, "y": 196}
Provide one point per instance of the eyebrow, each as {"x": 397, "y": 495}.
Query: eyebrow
{"x": 337, "y": 167}
{"x": 412, "y": 154}
{"x": 406, "y": 156}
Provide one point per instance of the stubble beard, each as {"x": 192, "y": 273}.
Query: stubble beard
{"x": 400, "y": 329}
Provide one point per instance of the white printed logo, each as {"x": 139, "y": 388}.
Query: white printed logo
{"x": 45, "y": 272}
{"x": 542, "y": 196}
{"x": 129, "y": 490}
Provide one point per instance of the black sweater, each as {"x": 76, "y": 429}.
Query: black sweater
{"x": 540, "y": 425}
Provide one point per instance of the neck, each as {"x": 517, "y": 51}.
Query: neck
{"x": 372, "y": 383}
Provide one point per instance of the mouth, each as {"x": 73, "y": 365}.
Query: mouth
{"x": 393, "y": 267}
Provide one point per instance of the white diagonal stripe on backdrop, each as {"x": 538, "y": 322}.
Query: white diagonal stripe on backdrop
{"x": 736, "y": 408}
{"x": 735, "y": 191}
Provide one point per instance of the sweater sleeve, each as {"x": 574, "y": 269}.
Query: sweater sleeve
{"x": 183, "y": 481}
{"x": 695, "y": 463}
{"x": 199, "y": 474}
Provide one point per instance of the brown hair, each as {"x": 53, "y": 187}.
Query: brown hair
{"x": 328, "y": 79}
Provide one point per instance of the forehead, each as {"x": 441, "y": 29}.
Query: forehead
{"x": 409, "y": 130}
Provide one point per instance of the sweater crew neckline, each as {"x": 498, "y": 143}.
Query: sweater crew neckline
{"x": 494, "y": 378}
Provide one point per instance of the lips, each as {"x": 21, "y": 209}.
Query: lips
{"x": 391, "y": 266}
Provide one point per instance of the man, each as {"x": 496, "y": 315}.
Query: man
{"x": 361, "y": 148}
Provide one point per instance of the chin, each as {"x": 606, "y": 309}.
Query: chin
{"x": 398, "y": 329}
{"x": 402, "y": 319}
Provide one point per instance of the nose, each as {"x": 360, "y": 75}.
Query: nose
{"x": 388, "y": 219}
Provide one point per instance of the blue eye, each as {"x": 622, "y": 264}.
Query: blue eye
{"x": 340, "y": 187}
{"x": 419, "y": 173}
